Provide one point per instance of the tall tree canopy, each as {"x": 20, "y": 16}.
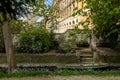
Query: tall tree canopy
{"x": 11, "y": 9}
{"x": 105, "y": 17}
{"x": 48, "y": 12}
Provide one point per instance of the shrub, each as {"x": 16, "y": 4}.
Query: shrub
{"x": 83, "y": 43}
{"x": 67, "y": 43}
{"x": 67, "y": 47}
{"x": 35, "y": 41}
{"x": 66, "y": 50}
{"x": 107, "y": 43}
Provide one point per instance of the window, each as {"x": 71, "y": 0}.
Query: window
{"x": 76, "y": 20}
{"x": 70, "y": 23}
{"x": 82, "y": 4}
{"x": 67, "y": 24}
{"x": 74, "y": 5}
{"x": 73, "y": 22}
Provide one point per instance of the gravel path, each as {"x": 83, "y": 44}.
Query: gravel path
{"x": 65, "y": 78}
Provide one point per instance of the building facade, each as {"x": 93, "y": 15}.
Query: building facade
{"x": 66, "y": 19}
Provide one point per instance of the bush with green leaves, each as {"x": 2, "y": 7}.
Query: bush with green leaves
{"x": 67, "y": 48}
{"x": 83, "y": 43}
{"x": 68, "y": 45}
{"x": 104, "y": 16}
{"x": 35, "y": 41}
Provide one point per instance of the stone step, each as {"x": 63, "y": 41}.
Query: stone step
{"x": 87, "y": 59}
{"x": 86, "y": 55}
{"x": 86, "y": 62}
{"x": 87, "y": 52}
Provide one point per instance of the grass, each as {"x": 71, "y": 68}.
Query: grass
{"x": 59, "y": 72}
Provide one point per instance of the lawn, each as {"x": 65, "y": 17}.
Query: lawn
{"x": 60, "y": 73}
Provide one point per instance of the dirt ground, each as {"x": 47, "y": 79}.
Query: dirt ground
{"x": 81, "y": 77}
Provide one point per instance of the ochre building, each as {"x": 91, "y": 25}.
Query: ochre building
{"x": 66, "y": 19}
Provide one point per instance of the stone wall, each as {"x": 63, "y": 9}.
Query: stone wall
{"x": 78, "y": 37}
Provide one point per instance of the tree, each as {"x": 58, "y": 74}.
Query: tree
{"x": 105, "y": 17}
{"x": 48, "y": 12}
{"x": 11, "y": 9}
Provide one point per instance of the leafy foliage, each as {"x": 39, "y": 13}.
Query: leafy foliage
{"x": 48, "y": 12}
{"x": 13, "y": 9}
{"x": 17, "y": 26}
{"x": 35, "y": 41}
{"x": 104, "y": 16}
{"x": 83, "y": 43}
{"x": 67, "y": 43}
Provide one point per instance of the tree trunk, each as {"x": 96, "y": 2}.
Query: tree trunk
{"x": 45, "y": 23}
{"x": 9, "y": 47}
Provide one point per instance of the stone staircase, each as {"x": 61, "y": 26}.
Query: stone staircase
{"x": 86, "y": 56}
